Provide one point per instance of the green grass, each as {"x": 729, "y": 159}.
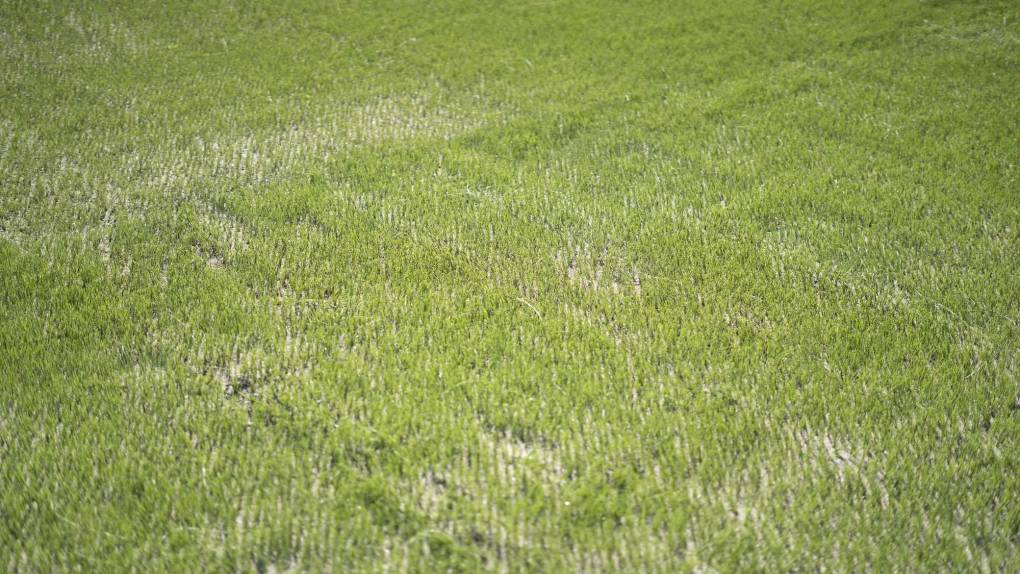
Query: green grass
{"x": 526, "y": 286}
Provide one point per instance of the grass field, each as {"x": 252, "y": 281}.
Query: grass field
{"x": 510, "y": 286}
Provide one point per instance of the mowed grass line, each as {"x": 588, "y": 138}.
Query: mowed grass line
{"x": 529, "y": 286}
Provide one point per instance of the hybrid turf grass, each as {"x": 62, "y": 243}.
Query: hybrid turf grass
{"x": 546, "y": 286}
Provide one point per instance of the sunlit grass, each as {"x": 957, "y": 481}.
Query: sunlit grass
{"x": 528, "y": 286}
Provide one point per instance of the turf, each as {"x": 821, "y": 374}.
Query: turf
{"x": 509, "y": 286}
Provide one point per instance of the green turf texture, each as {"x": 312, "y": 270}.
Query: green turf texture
{"x": 509, "y": 286}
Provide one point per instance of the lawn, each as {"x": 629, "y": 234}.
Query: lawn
{"x": 510, "y": 286}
